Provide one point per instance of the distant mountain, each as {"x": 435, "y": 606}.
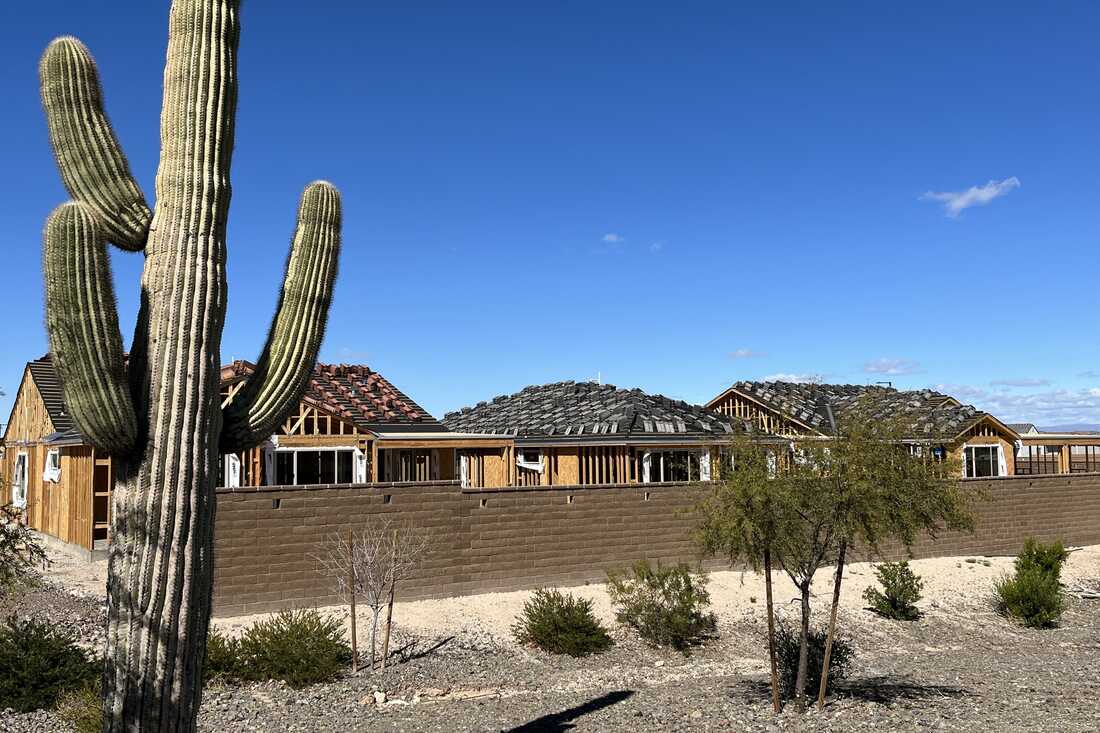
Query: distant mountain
{"x": 1071, "y": 428}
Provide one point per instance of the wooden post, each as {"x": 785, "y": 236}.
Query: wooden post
{"x": 351, "y": 595}
{"x": 389, "y": 606}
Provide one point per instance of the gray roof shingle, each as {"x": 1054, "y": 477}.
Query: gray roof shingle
{"x": 49, "y": 386}
{"x": 927, "y": 412}
{"x": 586, "y": 409}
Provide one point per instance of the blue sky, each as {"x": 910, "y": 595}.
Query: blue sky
{"x": 673, "y": 196}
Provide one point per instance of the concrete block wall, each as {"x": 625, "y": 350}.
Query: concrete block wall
{"x": 267, "y": 538}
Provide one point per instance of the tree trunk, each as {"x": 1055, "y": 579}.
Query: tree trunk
{"x": 832, "y": 626}
{"x": 389, "y": 623}
{"x": 351, "y": 601}
{"x": 373, "y": 636}
{"x": 803, "y": 650}
{"x": 771, "y": 628}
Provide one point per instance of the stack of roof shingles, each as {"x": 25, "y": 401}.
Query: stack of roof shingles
{"x": 585, "y": 408}
{"x": 355, "y": 393}
{"x": 927, "y": 413}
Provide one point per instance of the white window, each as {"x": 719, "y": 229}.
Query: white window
{"x": 672, "y": 466}
{"x": 984, "y": 460}
{"x": 704, "y": 465}
{"x": 529, "y": 458}
{"x": 308, "y": 466}
{"x": 52, "y": 471}
{"x": 19, "y": 482}
{"x": 231, "y": 471}
{"x": 360, "y": 466}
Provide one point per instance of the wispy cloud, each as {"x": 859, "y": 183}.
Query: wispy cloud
{"x": 656, "y": 246}
{"x": 892, "y": 367}
{"x": 348, "y": 355}
{"x": 796, "y": 378}
{"x": 1090, "y": 374}
{"x": 1020, "y": 382}
{"x": 613, "y": 238}
{"x": 746, "y": 354}
{"x": 955, "y": 202}
{"x": 1047, "y": 407}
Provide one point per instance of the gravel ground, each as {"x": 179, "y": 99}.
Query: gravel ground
{"x": 960, "y": 667}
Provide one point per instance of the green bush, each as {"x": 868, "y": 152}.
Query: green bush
{"x": 560, "y": 623}
{"x": 298, "y": 647}
{"x": 665, "y": 605}
{"x": 223, "y": 657}
{"x": 1033, "y": 594}
{"x": 901, "y": 589}
{"x": 82, "y": 708}
{"x": 1047, "y": 558}
{"x": 787, "y": 647}
{"x": 39, "y": 663}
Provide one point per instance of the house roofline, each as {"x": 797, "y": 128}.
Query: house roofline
{"x": 733, "y": 389}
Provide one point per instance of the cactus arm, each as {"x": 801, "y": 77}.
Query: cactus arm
{"x": 83, "y": 329}
{"x": 88, "y": 154}
{"x": 296, "y": 332}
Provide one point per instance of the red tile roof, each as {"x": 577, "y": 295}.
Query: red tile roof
{"x": 355, "y": 393}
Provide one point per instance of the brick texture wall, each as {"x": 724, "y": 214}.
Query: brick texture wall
{"x": 267, "y": 538}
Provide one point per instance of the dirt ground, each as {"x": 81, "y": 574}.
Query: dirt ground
{"x": 456, "y": 667}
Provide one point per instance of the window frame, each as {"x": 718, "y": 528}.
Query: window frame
{"x": 295, "y": 450}
{"x": 20, "y": 478}
{"x": 51, "y": 469}
{"x": 972, "y": 462}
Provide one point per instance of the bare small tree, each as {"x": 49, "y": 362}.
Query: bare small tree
{"x": 368, "y": 563}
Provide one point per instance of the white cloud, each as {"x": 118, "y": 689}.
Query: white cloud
{"x": 1049, "y": 407}
{"x": 613, "y": 238}
{"x": 954, "y": 202}
{"x": 892, "y": 367}
{"x": 746, "y": 354}
{"x": 1021, "y": 382}
{"x": 348, "y": 355}
{"x": 796, "y": 378}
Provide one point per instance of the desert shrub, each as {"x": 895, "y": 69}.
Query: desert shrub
{"x": 38, "y": 663}
{"x": 665, "y": 605}
{"x": 787, "y": 644}
{"x": 1047, "y": 558}
{"x": 560, "y": 623}
{"x": 82, "y": 708}
{"x": 1032, "y": 595}
{"x": 298, "y": 647}
{"x": 223, "y": 657}
{"x": 901, "y": 589}
{"x": 21, "y": 552}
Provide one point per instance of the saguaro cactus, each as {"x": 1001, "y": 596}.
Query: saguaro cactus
{"x": 160, "y": 413}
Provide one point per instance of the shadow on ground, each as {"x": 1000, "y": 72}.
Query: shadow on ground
{"x": 881, "y": 690}
{"x": 563, "y": 721}
{"x": 416, "y": 649}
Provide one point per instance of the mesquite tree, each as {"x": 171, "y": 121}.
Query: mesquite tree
{"x": 745, "y": 517}
{"x": 882, "y": 482}
{"x": 159, "y": 414}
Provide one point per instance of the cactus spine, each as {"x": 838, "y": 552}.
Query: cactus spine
{"x": 160, "y": 414}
